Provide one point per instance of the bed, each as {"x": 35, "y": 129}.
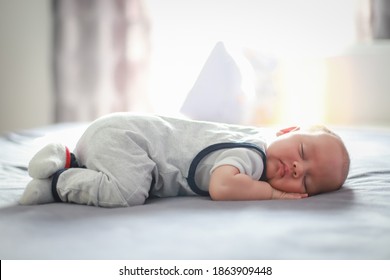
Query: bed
{"x": 352, "y": 223}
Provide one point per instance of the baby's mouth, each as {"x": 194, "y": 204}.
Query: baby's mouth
{"x": 283, "y": 169}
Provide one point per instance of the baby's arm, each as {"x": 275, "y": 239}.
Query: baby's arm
{"x": 227, "y": 183}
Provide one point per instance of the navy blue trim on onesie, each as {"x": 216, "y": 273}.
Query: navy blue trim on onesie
{"x": 213, "y": 148}
{"x": 54, "y": 184}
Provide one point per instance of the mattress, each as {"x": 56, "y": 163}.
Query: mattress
{"x": 352, "y": 223}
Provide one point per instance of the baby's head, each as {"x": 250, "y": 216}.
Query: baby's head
{"x": 312, "y": 160}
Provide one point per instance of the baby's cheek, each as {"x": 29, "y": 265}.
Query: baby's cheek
{"x": 276, "y": 184}
{"x": 285, "y": 186}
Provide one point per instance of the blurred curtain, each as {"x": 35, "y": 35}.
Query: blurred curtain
{"x": 374, "y": 20}
{"x": 101, "y": 57}
{"x": 380, "y": 19}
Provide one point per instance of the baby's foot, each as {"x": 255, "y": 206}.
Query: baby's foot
{"x": 37, "y": 192}
{"x": 49, "y": 160}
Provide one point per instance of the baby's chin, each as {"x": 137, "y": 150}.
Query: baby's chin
{"x": 271, "y": 170}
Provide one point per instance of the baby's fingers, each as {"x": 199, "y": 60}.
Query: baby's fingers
{"x": 294, "y": 195}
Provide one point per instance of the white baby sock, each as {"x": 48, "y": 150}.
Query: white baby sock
{"x": 49, "y": 160}
{"x": 37, "y": 192}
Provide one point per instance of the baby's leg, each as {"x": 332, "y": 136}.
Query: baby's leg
{"x": 81, "y": 186}
{"x": 90, "y": 187}
{"x": 119, "y": 172}
{"x": 42, "y": 166}
{"x": 123, "y": 183}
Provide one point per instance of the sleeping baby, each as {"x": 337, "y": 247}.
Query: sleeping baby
{"x": 122, "y": 159}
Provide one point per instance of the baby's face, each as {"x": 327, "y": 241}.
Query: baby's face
{"x": 300, "y": 162}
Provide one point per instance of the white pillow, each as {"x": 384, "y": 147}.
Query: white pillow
{"x": 224, "y": 89}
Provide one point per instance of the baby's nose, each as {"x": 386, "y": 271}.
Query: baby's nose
{"x": 296, "y": 170}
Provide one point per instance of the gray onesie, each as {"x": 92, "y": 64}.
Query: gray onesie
{"x": 128, "y": 158}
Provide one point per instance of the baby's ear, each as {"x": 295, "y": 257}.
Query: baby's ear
{"x": 287, "y": 130}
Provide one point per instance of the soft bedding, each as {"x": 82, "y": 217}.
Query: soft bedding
{"x": 353, "y": 223}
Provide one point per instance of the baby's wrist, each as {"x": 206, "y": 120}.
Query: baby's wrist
{"x": 273, "y": 195}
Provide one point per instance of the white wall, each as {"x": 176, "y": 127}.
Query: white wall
{"x": 350, "y": 88}
{"x": 185, "y": 32}
{"x": 25, "y": 65}
{"x": 358, "y": 85}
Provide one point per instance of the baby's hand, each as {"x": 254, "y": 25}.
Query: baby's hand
{"x": 276, "y": 194}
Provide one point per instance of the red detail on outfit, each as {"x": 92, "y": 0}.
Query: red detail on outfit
{"x": 67, "y": 158}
